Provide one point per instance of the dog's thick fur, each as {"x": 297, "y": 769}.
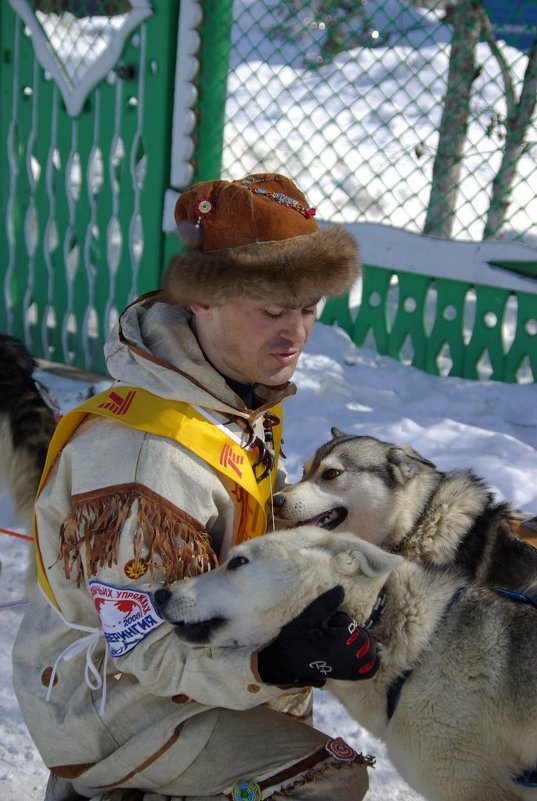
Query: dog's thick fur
{"x": 27, "y": 423}
{"x": 465, "y": 725}
{"x": 392, "y": 496}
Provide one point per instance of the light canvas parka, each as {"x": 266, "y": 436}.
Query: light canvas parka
{"x": 115, "y": 499}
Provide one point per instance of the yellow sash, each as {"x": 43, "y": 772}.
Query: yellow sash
{"x": 140, "y": 409}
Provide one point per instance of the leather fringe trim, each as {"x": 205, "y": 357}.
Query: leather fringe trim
{"x": 172, "y": 544}
{"x": 309, "y": 778}
{"x": 306, "y": 771}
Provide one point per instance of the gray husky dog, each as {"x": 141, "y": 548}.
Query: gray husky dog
{"x": 455, "y": 697}
{"x": 392, "y": 496}
{"x": 27, "y": 422}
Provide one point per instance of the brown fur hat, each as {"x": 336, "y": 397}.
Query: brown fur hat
{"x": 256, "y": 238}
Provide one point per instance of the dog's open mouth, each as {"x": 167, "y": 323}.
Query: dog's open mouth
{"x": 200, "y": 632}
{"x": 328, "y": 520}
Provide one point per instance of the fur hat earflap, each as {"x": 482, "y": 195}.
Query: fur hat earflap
{"x": 256, "y": 238}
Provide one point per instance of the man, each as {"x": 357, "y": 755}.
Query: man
{"x": 154, "y": 481}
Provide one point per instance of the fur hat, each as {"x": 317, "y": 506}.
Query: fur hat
{"x": 256, "y": 238}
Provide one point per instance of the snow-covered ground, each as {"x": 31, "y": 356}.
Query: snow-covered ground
{"x": 489, "y": 426}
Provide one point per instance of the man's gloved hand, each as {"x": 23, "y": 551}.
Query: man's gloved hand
{"x": 320, "y": 643}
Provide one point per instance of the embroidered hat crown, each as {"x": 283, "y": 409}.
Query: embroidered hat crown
{"x": 256, "y": 238}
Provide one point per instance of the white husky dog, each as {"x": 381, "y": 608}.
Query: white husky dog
{"x": 455, "y": 698}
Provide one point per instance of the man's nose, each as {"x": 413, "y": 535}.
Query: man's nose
{"x": 295, "y": 328}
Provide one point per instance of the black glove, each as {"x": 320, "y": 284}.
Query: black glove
{"x": 318, "y": 644}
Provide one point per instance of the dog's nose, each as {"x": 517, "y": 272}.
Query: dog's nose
{"x": 161, "y": 596}
{"x": 278, "y": 500}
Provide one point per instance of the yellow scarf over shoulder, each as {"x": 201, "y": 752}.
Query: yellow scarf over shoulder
{"x": 142, "y": 410}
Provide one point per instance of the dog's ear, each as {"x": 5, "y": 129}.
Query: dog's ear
{"x": 337, "y": 432}
{"x": 405, "y": 462}
{"x": 353, "y": 556}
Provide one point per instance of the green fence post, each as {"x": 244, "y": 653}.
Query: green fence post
{"x": 524, "y": 345}
{"x": 373, "y": 312}
{"x": 448, "y": 326}
{"x": 215, "y": 47}
{"x": 214, "y": 65}
{"x": 336, "y": 312}
{"x": 409, "y": 322}
{"x": 486, "y": 339}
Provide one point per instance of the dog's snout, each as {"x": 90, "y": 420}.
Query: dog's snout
{"x": 278, "y": 500}
{"x": 161, "y": 597}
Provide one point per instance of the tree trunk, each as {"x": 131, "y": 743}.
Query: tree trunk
{"x": 519, "y": 119}
{"x": 466, "y": 18}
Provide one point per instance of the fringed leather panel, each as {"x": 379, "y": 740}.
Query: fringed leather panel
{"x": 170, "y": 542}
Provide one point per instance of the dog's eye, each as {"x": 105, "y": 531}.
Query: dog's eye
{"x": 236, "y": 562}
{"x": 331, "y": 473}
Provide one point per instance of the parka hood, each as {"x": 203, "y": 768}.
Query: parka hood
{"x": 152, "y": 346}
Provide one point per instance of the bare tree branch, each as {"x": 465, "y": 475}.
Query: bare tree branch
{"x": 518, "y": 122}
{"x": 466, "y": 20}
{"x": 490, "y": 38}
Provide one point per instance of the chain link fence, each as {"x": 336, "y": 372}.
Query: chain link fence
{"x": 419, "y": 114}
{"x": 415, "y": 114}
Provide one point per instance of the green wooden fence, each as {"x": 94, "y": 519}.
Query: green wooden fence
{"x": 448, "y": 308}
{"x": 96, "y": 96}
{"x": 110, "y": 108}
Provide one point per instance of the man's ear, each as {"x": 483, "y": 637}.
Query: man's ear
{"x": 201, "y": 310}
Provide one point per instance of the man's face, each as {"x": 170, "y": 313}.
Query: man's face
{"x": 252, "y": 342}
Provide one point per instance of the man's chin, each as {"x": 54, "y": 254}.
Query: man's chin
{"x": 278, "y": 374}
{"x": 279, "y": 379}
